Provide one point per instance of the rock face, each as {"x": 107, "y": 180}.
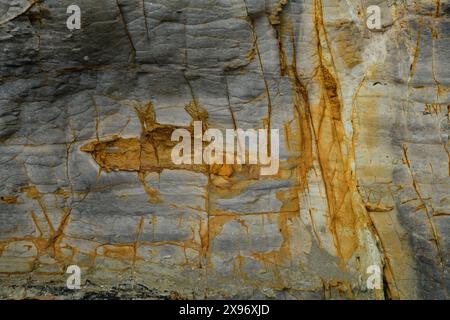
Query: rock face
{"x": 86, "y": 178}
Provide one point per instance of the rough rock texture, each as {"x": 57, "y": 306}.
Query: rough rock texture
{"x": 86, "y": 178}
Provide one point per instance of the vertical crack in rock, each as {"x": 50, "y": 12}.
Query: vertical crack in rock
{"x": 335, "y": 168}
{"x": 125, "y": 25}
{"x": 434, "y": 232}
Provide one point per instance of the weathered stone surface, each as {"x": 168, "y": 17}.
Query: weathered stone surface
{"x": 86, "y": 177}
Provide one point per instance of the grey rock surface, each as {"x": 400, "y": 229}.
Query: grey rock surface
{"x": 364, "y": 160}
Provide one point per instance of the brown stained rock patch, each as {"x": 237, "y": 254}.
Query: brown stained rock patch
{"x": 9, "y": 199}
{"x": 274, "y": 16}
{"x": 117, "y": 154}
{"x": 151, "y": 152}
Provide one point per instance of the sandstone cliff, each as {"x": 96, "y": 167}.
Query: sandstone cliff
{"x": 85, "y": 122}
